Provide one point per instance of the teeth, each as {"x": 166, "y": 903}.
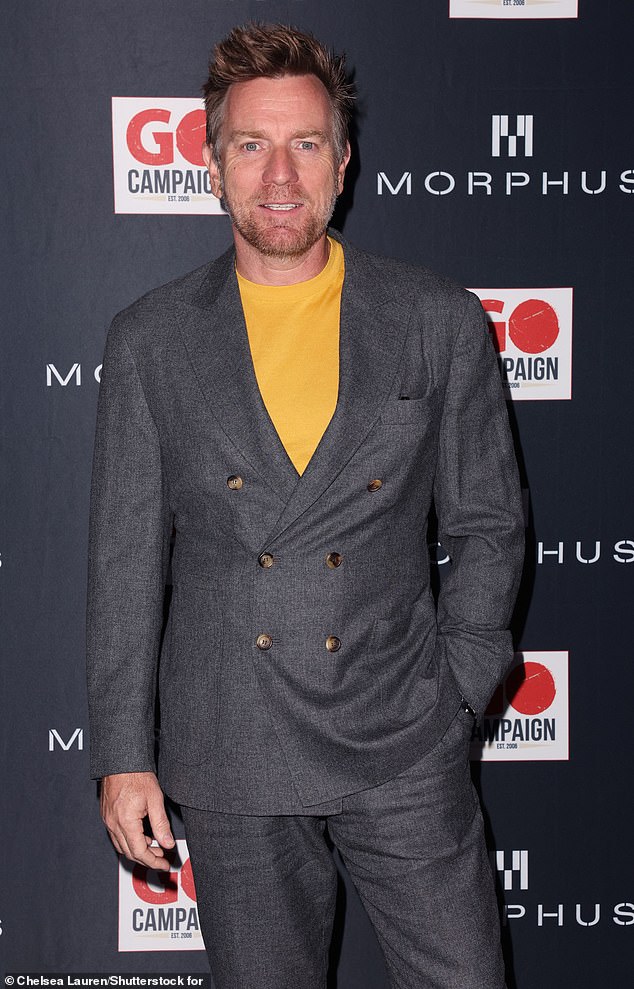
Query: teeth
{"x": 285, "y": 206}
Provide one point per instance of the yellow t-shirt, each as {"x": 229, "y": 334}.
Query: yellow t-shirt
{"x": 294, "y": 339}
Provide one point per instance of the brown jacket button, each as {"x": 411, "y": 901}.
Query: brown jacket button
{"x": 264, "y": 641}
{"x": 334, "y": 560}
{"x": 375, "y": 484}
{"x": 333, "y": 644}
{"x": 234, "y": 482}
{"x": 265, "y": 560}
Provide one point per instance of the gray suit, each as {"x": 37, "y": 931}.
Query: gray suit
{"x": 362, "y": 676}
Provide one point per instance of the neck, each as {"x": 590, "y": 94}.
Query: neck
{"x": 263, "y": 270}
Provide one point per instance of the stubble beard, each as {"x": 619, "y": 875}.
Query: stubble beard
{"x": 279, "y": 242}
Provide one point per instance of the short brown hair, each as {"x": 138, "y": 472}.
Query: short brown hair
{"x": 271, "y": 51}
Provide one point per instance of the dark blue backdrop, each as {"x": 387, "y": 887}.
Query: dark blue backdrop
{"x": 430, "y": 86}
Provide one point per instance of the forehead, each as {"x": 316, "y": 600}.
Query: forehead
{"x": 290, "y": 101}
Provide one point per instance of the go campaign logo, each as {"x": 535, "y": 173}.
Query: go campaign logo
{"x": 157, "y": 156}
{"x": 513, "y": 9}
{"x": 157, "y": 910}
{"x": 527, "y": 718}
{"x": 531, "y": 329}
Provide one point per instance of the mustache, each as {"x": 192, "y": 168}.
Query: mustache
{"x": 275, "y": 193}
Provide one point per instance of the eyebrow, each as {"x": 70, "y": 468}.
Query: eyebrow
{"x": 236, "y": 135}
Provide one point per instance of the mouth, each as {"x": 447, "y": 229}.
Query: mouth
{"x": 281, "y": 207}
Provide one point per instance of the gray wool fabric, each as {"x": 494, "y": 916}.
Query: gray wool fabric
{"x": 414, "y": 849}
{"x": 296, "y": 727}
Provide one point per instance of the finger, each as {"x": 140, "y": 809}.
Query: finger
{"x": 159, "y": 823}
{"x": 137, "y": 842}
{"x": 128, "y": 829}
{"x": 149, "y": 856}
{"x": 139, "y": 850}
{"x": 115, "y": 841}
{"x": 156, "y": 849}
{"x": 129, "y": 851}
{"x": 118, "y": 839}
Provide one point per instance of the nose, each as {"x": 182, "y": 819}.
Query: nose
{"x": 279, "y": 168}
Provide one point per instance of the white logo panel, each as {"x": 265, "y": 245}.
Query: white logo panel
{"x": 157, "y": 910}
{"x": 157, "y": 156}
{"x": 513, "y": 9}
{"x": 528, "y": 716}
{"x": 531, "y": 329}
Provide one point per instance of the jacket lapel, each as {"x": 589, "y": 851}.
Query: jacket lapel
{"x": 373, "y": 330}
{"x": 215, "y": 336}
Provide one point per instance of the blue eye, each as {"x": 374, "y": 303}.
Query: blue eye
{"x": 307, "y": 145}
{"x": 250, "y": 146}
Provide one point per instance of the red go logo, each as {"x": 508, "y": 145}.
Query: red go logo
{"x": 189, "y": 134}
{"x": 168, "y": 881}
{"x": 530, "y": 689}
{"x": 533, "y": 325}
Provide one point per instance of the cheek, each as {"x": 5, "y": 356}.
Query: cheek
{"x": 240, "y": 175}
{"x": 322, "y": 180}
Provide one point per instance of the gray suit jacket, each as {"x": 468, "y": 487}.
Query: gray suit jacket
{"x": 296, "y": 726}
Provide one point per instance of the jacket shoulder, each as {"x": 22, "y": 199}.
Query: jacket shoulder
{"x": 417, "y": 283}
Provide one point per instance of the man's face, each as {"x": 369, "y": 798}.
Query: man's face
{"x": 279, "y": 176}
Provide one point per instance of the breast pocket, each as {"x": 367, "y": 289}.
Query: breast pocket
{"x": 189, "y": 677}
{"x": 403, "y": 411}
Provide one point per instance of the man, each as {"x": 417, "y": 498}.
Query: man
{"x": 292, "y": 409}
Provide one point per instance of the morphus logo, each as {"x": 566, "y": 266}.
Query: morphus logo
{"x": 512, "y": 139}
{"x": 514, "y": 9}
{"x": 512, "y": 867}
{"x": 157, "y": 156}
{"x": 157, "y": 910}
{"x": 531, "y": 329}
{"x": 528, "y": 717}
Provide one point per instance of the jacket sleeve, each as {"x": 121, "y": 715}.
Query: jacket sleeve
{"x": 129, "y": 534}
{"x": 480, "y": 520}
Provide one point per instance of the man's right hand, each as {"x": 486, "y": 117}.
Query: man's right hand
{"x": 126, "y": 799}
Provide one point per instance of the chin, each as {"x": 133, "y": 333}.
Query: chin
{"x": 282, "y": 243}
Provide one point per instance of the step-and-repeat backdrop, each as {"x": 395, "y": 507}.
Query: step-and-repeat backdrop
{"x": 494, "y": 145}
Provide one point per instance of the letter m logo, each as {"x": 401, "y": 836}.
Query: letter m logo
{"x": 405, "y": 180}
{"x": 54, "y": 738}
{"x": 51, "y": 371}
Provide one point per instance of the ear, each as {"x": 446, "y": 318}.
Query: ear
{"x": 341, "y": 170}
{"x": 212, "y": 168}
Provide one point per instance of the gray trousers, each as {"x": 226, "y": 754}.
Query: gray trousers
{"x": 414, "y": 849}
